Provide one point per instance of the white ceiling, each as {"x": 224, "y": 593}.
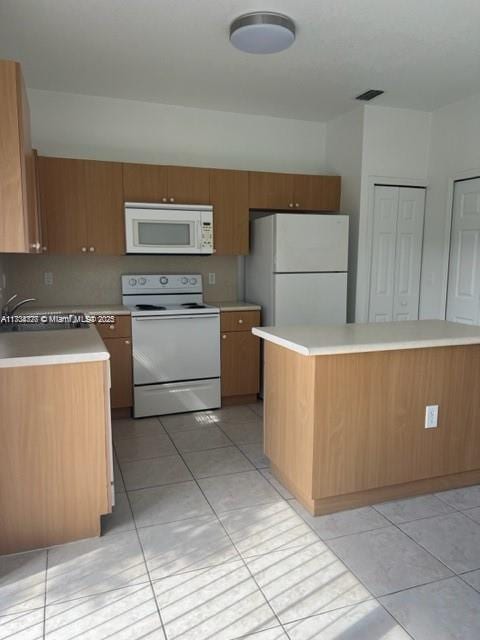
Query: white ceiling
{"x": 423, "y": 53}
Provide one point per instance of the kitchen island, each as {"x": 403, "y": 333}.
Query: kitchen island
{"x": 345, "y": 410}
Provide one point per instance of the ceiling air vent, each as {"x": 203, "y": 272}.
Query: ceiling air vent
{"x": 369, "y": 95}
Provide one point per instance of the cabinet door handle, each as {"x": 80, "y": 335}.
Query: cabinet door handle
{"x": 297, "y": 204}
{"x": 127, "y": 341}
{"x": 84, "y": 249}
{"x": 224, "y": 337}
{"x": 164, "y": 199}
{"x": 112, "y": 327}
{"x": 44, "y": 248}
{"x": 35, "y": 245}
{"x": 172, "y": 199}
{"x": 290, "y": 204}
{"x": 91, "y": 249}
{"x": 240, "y": 321}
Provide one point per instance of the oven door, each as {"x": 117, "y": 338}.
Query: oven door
{"x": 149, "y": 230}
{"x": 174, "y": 348}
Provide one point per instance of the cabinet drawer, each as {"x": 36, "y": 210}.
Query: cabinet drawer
{"x": 239, "y": 320}
{"x": 121, "y": 328}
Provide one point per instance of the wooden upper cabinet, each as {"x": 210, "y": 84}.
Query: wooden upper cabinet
{"x": 63, "y": 202}
{"x": 286, "y": 191}
{"x": 270, "y": 190}
{"x": 316, "y": 193}
{"x": 82, "y": 206}
{"x": 229, "y": 197}
{"x": 188, "y": 185}
{"x": 19, "y": 228}
{"x": 159, "y": 183}
{"x": 145, "y": 183}
{"x": 105, "y": 211}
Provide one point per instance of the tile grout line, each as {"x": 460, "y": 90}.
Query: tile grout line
{"x": 44, "y": 635}
{"x": 236, "y": 549}
{"x": 150, "y": 582}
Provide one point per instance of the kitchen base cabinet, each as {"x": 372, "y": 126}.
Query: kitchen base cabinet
{"x": 240, "y": 357}
{"x": 118, "y": 340}
{"x": 120, "y": 350}
{"x": 55, "y": 454}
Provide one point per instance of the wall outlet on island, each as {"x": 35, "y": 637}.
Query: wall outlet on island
{"x": 211, "y": 278}
{"x": 431, "y": 416}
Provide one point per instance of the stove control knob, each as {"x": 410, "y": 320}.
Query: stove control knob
{"x": 142, "y": 281}
{"x": 193, "y": 281}
{"x": 132, "y": 282}
{"x": 184, "y": 280}
{"x": 163, "y": 280}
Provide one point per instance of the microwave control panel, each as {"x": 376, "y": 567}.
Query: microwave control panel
{"x": 207, "y": 235}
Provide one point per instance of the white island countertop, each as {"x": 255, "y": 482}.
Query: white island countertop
{"x": 318, "y": 340}
{"x": 58, "y": 346}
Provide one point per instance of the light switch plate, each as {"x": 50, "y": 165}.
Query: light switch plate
{"x": 211, "y": 278}
{"x": 48, "y": 278}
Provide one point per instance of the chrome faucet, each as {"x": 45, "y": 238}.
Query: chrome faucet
{"x": 7, "y": 310}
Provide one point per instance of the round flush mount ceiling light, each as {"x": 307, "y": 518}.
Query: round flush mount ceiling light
{"x": 262, "y": 32}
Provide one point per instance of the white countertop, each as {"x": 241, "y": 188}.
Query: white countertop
{"x": 237, "y": 306}
{"x": 317, "y": 340}
{"x": 63, "y": 346}
{"x": 92, "y": 309}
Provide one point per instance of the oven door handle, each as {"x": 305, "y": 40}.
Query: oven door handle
{"x": 182, "y": 317}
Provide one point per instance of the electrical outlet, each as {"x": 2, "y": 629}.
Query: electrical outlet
{"x": 211, "y": 278}
{"x": 48, "y": 278}
{"x": 431, "y": 416}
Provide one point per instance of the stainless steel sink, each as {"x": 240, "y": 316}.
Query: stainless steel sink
{"x": 57, "y": 322}
{"x": 16, "y": 328}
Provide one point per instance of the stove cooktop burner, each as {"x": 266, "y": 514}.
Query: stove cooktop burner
{"x": 149, "y": 307}
{"x": 193, "y": 305}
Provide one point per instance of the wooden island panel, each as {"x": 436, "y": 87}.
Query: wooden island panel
{"x": 365, "y": 414}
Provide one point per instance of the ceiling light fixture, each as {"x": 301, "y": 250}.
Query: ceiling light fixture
{"x": 262, "y": 32}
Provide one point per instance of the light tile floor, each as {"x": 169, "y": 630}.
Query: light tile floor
{"x": 205, "y": 544}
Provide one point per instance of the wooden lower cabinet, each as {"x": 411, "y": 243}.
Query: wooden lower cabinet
{"x": 117, "y": 337}
{"x": 55, "y": 454}
{"x": 120, "y": 350}
{"x": 240, "y": 360}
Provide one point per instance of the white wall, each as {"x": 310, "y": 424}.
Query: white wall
{"x": 92, "y": 127}
{"x": 454, "y": 153}
{"x": 395, "y": 150}
{"x": 344, "y": 156}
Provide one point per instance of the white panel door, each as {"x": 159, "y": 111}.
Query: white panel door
{"x": 382, "y": 274}
{"x": 408, "y": 253}
{"x": 464, "y": 278}
{"x": 396, "y": 253}
{"x": 310, "y": 298}
{"x": 311, "y": 242}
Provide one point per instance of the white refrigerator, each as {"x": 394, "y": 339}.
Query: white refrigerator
{"x": 297, "y": 268}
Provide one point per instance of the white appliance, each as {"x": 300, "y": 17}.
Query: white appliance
{"x": 168, "y": 228}
{"x": 297, "y": 268}
{"x": 175, "y": 342}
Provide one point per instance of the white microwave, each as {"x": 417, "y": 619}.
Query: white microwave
{"x": 168, "y": 228}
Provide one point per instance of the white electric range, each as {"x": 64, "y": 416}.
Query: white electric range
{"x": 175, "y": 342}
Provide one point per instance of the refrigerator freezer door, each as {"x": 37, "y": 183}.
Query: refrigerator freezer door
{"x": 310, "y": 298}
{"x": 309, "y": 242}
